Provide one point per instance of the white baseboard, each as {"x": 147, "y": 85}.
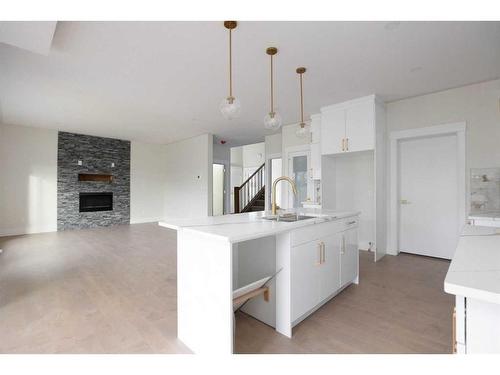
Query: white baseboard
{"x": 145, "y": 220}
{"x": 364, "y": 245}
{"x": 20, "y": 231}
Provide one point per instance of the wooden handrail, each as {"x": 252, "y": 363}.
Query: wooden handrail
{"x": 253, "y": 185}
{"x": 253, "y": 174}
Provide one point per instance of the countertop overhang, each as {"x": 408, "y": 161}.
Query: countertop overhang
{"x": 475, "y": 268}
{"x": 247, "y": 226}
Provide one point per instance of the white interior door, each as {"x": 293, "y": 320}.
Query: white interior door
{"x": 218, "y": 190}
{"x": 428, "y": 196}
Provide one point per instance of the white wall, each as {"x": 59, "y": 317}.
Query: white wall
{"x": 188, "y": 188}
{"x": 273, "y": 144}
{"x": 478, "y": 105}
{"x": 253, "y": 157}
{"x": 147, "y": 182}
{"x": 28, "y": 180}
{"x": 222, "y": 155}
{"x": 348, "y": 184}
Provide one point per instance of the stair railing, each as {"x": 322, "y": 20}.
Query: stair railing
{"x": 247, "y": 193}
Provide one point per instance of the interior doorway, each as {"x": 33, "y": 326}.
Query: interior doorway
{"x": 218, "y": 190}
{"x": 428, "y": 190}
{"x": 275, "y": 170}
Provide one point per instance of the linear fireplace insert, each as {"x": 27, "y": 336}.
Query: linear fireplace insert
{"x": 96, "y": 202}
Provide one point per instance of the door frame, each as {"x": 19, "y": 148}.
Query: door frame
{"x": 291, "y": 151}
{"x": 268, "y": 182}
{"x": 395, "y": 138}
{"x": 226, "y": 186}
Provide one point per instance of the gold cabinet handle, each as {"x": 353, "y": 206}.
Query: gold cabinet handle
{"x": 319, "y": 254}
{"x": 342, "y": 144}
{"x": 342, "y": 250}
{"x": 347, "y": 144}
{"x": 324, "y": 253}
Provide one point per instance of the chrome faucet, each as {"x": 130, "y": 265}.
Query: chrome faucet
{"x": 273, "y": 198}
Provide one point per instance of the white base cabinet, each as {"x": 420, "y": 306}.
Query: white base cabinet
{"x": 476, "y": 326}
{"x": 305, "y": 270}
{"x": 321, "y": 264}
{"x": 349, "y": 256}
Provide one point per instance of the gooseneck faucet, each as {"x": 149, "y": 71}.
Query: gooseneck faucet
{"x": 273, "y": 198}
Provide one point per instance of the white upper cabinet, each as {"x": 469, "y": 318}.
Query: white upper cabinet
{"x": 332, "y": 131}
{"x": 315, "y": 147}
{"x": 348, "y": 126}
{"x": 315, "y": 128}
{"x": 315, "y": 161}
{"x": 359, "y": 125}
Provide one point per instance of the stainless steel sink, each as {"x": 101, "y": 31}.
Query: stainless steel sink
{"x": 288, "y": 217}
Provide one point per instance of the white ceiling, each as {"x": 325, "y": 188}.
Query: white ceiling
{"x": 164, "y": 81}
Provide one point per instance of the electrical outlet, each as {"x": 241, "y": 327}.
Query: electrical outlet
{"x": 80, "y": 162}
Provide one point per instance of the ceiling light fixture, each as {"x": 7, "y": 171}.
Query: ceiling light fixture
{"x": 302, "y": 130}
{"x": 272, "y": 120}
{"x": 230, "y": 106}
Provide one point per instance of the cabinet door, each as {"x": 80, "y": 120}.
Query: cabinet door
{"x": 360, "y": 126}
{"x": 330, "y": 268}
{"x": 316, "y": 161}
{"x": 332, "y": 131}
{"x": 315, "y": 128}
{"x": 305, "y": 277}
{"x": 349, "y": 255}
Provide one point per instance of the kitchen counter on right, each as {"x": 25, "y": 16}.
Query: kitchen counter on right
{"x": 474, "y": 278}
{"x": 475, "y": 267}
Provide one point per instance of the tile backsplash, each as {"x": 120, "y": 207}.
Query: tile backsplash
{"x": 485, "y": 189}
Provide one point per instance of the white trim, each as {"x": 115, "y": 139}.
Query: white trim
{"x": 304, "y": 149}
{"x": 146, "y": 220}
{"x": 349, "y": 103}
{"x": 22, "y": 231}
{"x": 268, "y": 182}
{"x": 428, "y": 131}
{"x": 395, "y": 137}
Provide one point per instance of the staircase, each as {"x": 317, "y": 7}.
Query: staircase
{"x": 250, "y": 196}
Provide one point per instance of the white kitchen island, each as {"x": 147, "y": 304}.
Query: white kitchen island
{"x": 316, "y": 258}
{"x": 474, "y": 278}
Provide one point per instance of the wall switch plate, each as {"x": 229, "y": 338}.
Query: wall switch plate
{"x": 80, "y": 162}
{"x": 112, "y": 165}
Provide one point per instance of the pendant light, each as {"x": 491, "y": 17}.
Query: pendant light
{"x": 230, "y": 107}
{"x": 302, "y": 130}
{"x": 272, "y": 120}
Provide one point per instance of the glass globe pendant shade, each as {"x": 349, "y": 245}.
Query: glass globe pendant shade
{"x": 302, "y": 131}
{"x": 272, "y": 121}
{"x": 230, "y": 108}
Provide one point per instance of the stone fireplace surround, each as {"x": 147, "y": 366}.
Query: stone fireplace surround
{"x": 96, "y": 155}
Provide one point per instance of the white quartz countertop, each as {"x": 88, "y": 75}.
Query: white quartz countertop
{"x": 489, "y": 215}
{"x": 251, "y": 225}
{"x": 475, "y": 268}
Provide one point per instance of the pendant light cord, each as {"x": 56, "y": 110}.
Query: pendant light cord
{"x": 301, "y": 103}
{"x": 230, "y": 65}
{"x": 272, "y": 88}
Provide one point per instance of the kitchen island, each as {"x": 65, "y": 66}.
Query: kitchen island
{"x": 474, "y": 279}
{"x": 303, "y": 262}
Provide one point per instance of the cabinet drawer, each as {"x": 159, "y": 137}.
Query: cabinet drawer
{"x": 317, "y": 231}
{"x": 349, "y": 223}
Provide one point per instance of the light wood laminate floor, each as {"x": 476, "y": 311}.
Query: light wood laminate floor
{"x": 113, "y": 290}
